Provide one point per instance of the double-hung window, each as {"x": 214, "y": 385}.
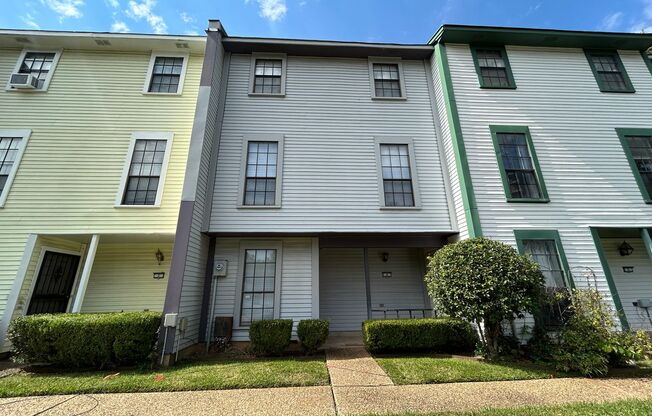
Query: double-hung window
{"x": 647, "y": 57}
{"x": 609, "y": 71}
{"x": 12, "y": 146}
{"x": 518, "y": 164}
{"x": 144, "y": 172}
{"x": 395, "y": 160}
{"x": 39, "y": 64}
{"x": 492, "y": 67}
{"x": 637, "y": 144}
{"x": 261, "y": 171}
{"x": 386, "y": 77}
{"x": 267, "y": 75}
{"x": 258, "y": 298}
{"x": 166, "y": 73}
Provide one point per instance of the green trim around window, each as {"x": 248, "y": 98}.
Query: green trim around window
{"x": 622, "y": 134}
{"x": 461, "y": 161}
{"x": 508, "y": 68}
{"x": 545, "y": 235}
{"x": 648, "y": 60}
{"x": 629, "y": 88}
{"x": 610, "y": 279}
{"x": 533, "y": 155}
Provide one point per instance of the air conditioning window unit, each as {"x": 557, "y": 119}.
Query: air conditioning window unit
{"x": 27, "y": 81}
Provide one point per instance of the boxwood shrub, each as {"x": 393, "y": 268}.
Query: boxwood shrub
{"x": 96, "y": 340}
{"x": 270, "y": 337}
{"x": 446, "y": 335}
{"x": 312, "y": 333}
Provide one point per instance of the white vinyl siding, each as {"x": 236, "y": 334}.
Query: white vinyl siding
{"x": 573, "y": 124}
{"x": 330, "y": 181}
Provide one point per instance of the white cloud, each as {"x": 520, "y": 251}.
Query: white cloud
{"x": 120, "y": 27}
{"x": 113, "y": 3}
{"x": 612, "y": 21}
{"x": 186, "y": 18}
{"x": 272, "y": 10}
{"x": 65, "y": 8}
{"x": 143, "y": 10}
{"x": 29, "y": 20}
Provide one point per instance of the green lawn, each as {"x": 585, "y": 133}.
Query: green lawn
{"x": 620, "y": 408}
{"x": 281, "y": 372}
{"x": 424, "y": 370}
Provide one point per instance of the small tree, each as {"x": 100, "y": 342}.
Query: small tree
{"x": 486, "y": 282}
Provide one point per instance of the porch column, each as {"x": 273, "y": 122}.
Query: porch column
{"x": 647, "y": 241}
{"x": 86, "y": 273}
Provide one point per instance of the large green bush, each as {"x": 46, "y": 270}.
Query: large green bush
{"x": 486, "y": 282}
{"x": 312, "y": 333}
{"x": 85, "y": 340}
{"x": 426, "y": 334}
{"x": 270, "y": 337}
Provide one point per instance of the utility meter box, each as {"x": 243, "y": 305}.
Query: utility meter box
{"x": 219, "y": 268}
{"x": 170, "y": 320}
{"x": 644, "y": 303}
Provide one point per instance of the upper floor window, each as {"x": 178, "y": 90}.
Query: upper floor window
{"x": 166, "y": 73}
{"x": 12, "y": 146}
{"x": 397, "y": 174}
{"x": 637, "y": 144}
{"x": 268, "y": 75}
{"x": 145, "y": 169}
{"x": 38, "y": 65}
{"x": 386, "y": 76}
{"x": 518, "y": 164}
{"x": 609, "y": 71}
{"x": 647, "y": 57}
{"x": 492, "y": 67}
{"x": 261, "y": 171}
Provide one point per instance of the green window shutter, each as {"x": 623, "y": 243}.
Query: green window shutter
{"x": 492, "y": 66}
{"x": 647, "y": 57}
{"x": 518, "y": 164}
{"x": 609, "y": 71}
{"x": 637, "y": 145}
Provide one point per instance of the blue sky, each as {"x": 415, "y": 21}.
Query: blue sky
{"x": 406, "y": 21}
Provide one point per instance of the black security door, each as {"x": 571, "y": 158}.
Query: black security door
{"x": 54, "y": 283}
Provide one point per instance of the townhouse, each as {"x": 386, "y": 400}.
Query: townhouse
{"x": 94, "y": 137}
{"x": 328, "y": 171}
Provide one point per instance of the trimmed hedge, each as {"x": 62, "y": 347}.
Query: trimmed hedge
{"x": 312, "y": 333}
{"x": 447, "y": 335}
{"x": 270, "y": 337}
{"x": 96, "y": 340}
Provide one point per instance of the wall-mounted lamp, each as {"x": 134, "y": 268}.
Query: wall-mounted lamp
{"x": 159, "y": 256}
{"x": 625, "y": 249}
{"x": 385, "y": 257}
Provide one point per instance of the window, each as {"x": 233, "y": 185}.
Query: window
{"x": 492, "y": 67}
{"x": 268, "y": 75}
{"x": 396, "y": 166}
{"x": 647, "y": 57}
{"x": 544, "y": 247}
{"x": 386, "y": 76}
{"x": 637, "y": 144}
{"x": 518, "y": 164}
{"x": 261, "y": 171}
{"x": 258, "y": 285}
{"x": 609, "y": 71}
{"x": 144, "y": 173}
{"x": 40, "y": 64}
{"x": 12, "y": 146}
{"x": 166, "y": 74}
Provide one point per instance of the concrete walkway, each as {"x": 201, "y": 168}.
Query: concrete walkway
{"x": 354, "y": 367}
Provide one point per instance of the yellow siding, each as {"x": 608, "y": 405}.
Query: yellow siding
{"x": 81, "y": 130}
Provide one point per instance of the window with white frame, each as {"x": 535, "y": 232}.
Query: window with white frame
{"x": 258, "y": 285}
{"x": 261, "y": 171}
{"x": 268, "y": 72}
{"x": 166, "y": 73}
{"x": 386, "y": 77}
{"x": 39, "y": 64}
{"x": 397, "y": 174}
{"x": 144, "y": 173}
{"x": 12, "y": 145}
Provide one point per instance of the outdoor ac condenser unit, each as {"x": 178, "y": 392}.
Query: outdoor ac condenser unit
{"x": 23, "y": 81}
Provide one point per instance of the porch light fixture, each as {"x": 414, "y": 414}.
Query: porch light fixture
{"x": 159, "y": 256}
{"x": 625, "y": 249}
{"x": 385, "y": 257}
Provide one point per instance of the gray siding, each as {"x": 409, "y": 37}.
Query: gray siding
{"x": 572, "y": 124}
{"x": 329, "y": 121}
